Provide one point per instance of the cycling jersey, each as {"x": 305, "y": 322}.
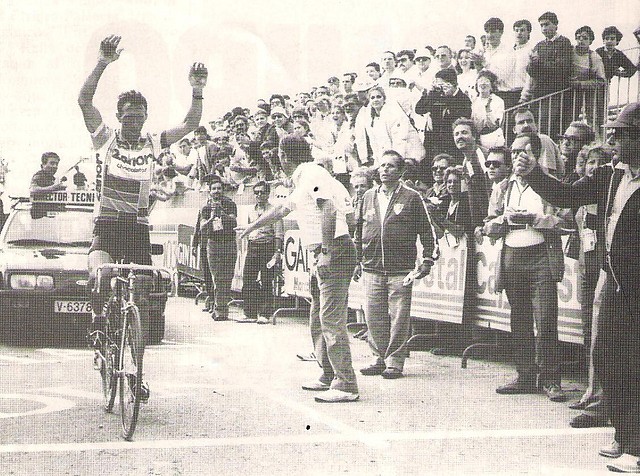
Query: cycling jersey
{"x": 124, "y": 174}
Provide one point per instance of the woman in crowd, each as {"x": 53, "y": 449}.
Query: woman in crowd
{"x": 391, "y": 128}
{"x": 588, "y": 77}
{"x": 455, "y": 217}
{"x": 467, "y": 73}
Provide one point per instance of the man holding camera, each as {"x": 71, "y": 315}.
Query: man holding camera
{"x": 445, "y": 103}
{"x": 530, "y": 265}
{"x": 215, "y": 231}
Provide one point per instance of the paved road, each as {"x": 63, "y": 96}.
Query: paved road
{"x": 226, "y": 399}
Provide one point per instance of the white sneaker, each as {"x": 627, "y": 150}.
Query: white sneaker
{"x": 263, "y": 320}
{"x": 625, "y": 464}
{"x": 337, "y": 396}
{"x": 316, "y": 386}
{"x": 612, "y": 450}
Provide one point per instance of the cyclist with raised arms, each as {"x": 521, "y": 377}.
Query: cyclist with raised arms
{"x": 125, "y": 161}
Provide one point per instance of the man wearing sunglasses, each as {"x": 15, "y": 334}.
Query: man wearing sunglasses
{"x": 262, "y": 259}
{"x": 577, "y": 135}
{"x": 616, "y": 353}
{"x": 531, "y": 263}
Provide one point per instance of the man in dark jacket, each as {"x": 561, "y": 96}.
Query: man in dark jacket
{"x": 616, "y": 353}
{"x": 215, "y": 230}
{"x": 390, "y": 218}
{"x": 549, "y": 72}
{"x": 444, "y": 103}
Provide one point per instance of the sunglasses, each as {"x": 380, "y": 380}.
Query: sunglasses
{"x": 377, "y": 96}
{"x": 438, "y": 167}
{"x": 278, "y": 116}
{"x": 493, "y": 163}
{"x": 260, "y": 192}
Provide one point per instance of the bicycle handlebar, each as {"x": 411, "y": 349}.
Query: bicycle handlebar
{"x": 133, "y": 267}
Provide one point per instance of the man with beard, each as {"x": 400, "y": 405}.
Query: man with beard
{"x": 477, "y": 183}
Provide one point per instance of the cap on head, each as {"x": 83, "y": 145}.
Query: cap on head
{"x": 279, "y": 110}
{"x": 363, "y": 84}
{"x": 424, "y": 53}
{"x": 628, "y": 118}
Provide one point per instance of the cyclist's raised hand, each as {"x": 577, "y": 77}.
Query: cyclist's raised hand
{"x": 109, "y": 51}
{"x": 198, "y": 75}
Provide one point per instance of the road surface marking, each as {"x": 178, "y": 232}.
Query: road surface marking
{"x": 296, "y": 439}
{"x": 50, "y": 404}
{"x": 324, "y": 419}
{"x": 72, "y": 392}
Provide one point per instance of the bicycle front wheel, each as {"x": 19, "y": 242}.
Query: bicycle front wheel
{"x": 109, "y": 361}
{"x": 131, "y": 355}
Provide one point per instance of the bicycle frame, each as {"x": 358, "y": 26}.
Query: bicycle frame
{"x": 124, "y": 342}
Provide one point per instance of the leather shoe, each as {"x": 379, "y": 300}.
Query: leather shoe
{"x": 316, "y": 386}
{"x": 588, "y": 421}
{"x": 337, "y": 396}
{"x": 578, "y": 405}
{"x": 392, "y": 373}
{"x": 518, "y": 386}
{"x": 612, "y": 450}
{"x": 375, "y": 369}
{"x": 626, "y": 464}
{"x": 554, "y": 392}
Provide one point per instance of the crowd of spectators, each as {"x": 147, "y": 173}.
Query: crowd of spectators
{"x": 442, "y": 114}
{"x": 408, "y": 102}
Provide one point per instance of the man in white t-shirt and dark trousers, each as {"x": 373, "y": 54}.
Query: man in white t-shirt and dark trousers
{"x": 321, "y": 204}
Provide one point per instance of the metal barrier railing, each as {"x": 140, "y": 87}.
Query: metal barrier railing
{"x": 593, "y": 104}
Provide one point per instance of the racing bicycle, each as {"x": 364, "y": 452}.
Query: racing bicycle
{"x": 120, "y": 355}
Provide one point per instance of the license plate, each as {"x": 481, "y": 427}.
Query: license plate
{"x": 72, "y": 307}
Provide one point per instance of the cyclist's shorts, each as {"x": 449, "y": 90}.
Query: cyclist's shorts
{"x": 126, "y": 241}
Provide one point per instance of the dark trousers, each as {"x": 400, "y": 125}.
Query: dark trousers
{"x": 533, "y": 297}
{"x": 256, "y": 293}
{"x": 616, "y": 357}
{"x": 222, "y": 261}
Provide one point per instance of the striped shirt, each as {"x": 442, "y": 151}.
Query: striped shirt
{"x": 124, "y": 175}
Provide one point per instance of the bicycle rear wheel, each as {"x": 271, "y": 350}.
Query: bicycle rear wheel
{"x": 109, "y": 361}
{"x": 131, "y": 355}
